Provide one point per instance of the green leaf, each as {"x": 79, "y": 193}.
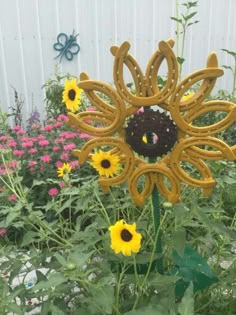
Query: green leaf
{"x": 192, "y": 267}
{"x": 60, "y": 259}
{"x": 148, "y": 310}
{"x": 188, "y": 17}
{"x": 175, "y": 19}
{"x": 230, "y": 52}
{"x": 179, "y": 240}
{"x": 14, "y": 308}
{"x": 29, "y": 238}
{"x": 40, "y": 276}
{"x": 180, "y": 60}
{"x": 103, "y": 298}
{"x": 45, "y": 308}
{"x": 186, "y": 306}
{"x": 54, "y": 280}
{"x": 56, "y": 310}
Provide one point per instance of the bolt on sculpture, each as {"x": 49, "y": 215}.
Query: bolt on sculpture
{"x": 154, "y": 144}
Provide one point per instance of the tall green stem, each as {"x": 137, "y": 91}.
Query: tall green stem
{"x": 157, "y": 222}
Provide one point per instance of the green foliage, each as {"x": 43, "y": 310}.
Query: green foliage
{"x": 233, "y": 70}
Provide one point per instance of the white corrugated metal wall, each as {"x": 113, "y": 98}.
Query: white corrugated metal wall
{"x": 28, "y": 30}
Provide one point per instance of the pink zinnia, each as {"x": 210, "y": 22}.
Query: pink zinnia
{"x": 32, "y": 163}
{"x": 13, "y": 164}
{"x": 62, "y": 117}
{"x": 53, "y": 191}
{"x": 18, "y": 152}
{"x": 69, "y": 147}
{"x": 41, "y": 137}
{"x": 55, "y": 149}
{"x": 59, "y": 140}
{"x": 45, "y": 158}
{"x": 3, "y": 231}
{"x": 84, "y": 136}
{"x": 48, "y": 128}
{"x": 74, "y": 164}
{"x": 28, "y": 144}
{"x": 59, "y": 164}
{"x": 3, "y": 138}
{"x": 62, "y": 184}
{"x": 12, "y": 143}
{"x": 58, "y": 124}
{"x": 16, "y": 128}
{"x": 3, "y": 171}
{"x": 43, "y": 143}
{"x": 20, "y": 132}
{"x": 12, "y": 198}
{"x": 65, "y": 156}
{"x": 32, "y": 151}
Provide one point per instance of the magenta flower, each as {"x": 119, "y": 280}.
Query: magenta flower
{"x": 18, "y": 153}
{"x": 74, "y": 164}
{"x": 13, "y": 164}
{"x": 32, "y": 151}
{"x": 55, "y": 149}
{"x": 58, "y": 124}
{"x": 84, "y": 136}
{"x": 53, "y": 191}
{"x": 62, "y": 184}
{"x": 59, "y": 140}
{"x": 43, "y": 143}
{"x": 69, "y": 147}
{"x": 16, "y": 128}
{"x": 12, "y": 143}
{"x": 41, "y": 137}
{"x": 59, "y": 164}
{"x": 28, "y": 144}
{"x": 48, "y": 128}
{"x": 32, "y": 163}
{"x": 62, "y": 117}
{"x": 3, "y": 138}
{"x": 3, "y": 231}
{"x": 65, "y": 156}
{"x": 20, "y": 132}
{"x": 45, "y": 158}
{"x": 12, "y": 198}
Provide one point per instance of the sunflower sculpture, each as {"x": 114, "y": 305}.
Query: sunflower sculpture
{"x": 153, "y": 146}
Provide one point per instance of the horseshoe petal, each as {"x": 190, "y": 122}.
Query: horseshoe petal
{"x": 128, "y": 158}
{"x": 211, "y": 106}
{"x": 150, "y": 171}
{"x": 114, "y": 116}
{"x": 188, "y": 146}
{"x": 159, "y": 96}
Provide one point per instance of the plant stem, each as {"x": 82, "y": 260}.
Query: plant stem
{"x": 234, "y": 80}
{"x": 157, "y": 222}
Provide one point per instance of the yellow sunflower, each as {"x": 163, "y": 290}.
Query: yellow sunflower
{"x": 105, "y": 163}
{"x": 72, "y": 95}
{"x": 63, "y": 170}
{"x": 124, "y": 238}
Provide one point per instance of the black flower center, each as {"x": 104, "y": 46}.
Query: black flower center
{"x": 71, "y": 94}
{"x": 151, "y": 133}
{"x": 105, "y": 163}
{"x": 126, "y": 235}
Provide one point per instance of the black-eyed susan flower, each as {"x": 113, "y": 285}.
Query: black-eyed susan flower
{"x": 64, "y": 170}
{"x": 105, "y": 163}
{"x": 124, "y": 238}
{"x": 72, "y": 95}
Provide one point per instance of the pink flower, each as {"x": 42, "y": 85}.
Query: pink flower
{"x": 59, "y": 164}
{"x": 84, "y": 136}
{"x": 3, "y": 171}
{"x": 43, "y": 143}
{"x": 140, "y": 111}
{"x": 18, "y": 153}
{"x": 28, "y": 144}
{"x": 41, "y": 137}
{"x": 62, "y": 184}
{"x": 69, "y": 147}
{"x": 59, "y": 140}
{"x": 13, "y": 164}
{"x": 90, "y": 109}
{"x": 32, "y": 163}
{"x": 3, "y": 231}
{"x": 58, "y": 124}
{"x": 32, "y": 169}
{"x": 3, "y": 138}
{"x": 45, "y": 158}
{"x": 74, "y": 164}
{"x": 16, "y": 128}
{"x": 68, "y": 135}
{"x": 65, "y": 156}
{"x": 35, "y": 126}
{"x": 12, "y": 143}
{"x": 12, "y": 198}
{"x": 55, "y": 149}
{"x": 53, "y": 191}
{"x": 48, "y": 128}
{"x": 32, "y": 151}
{"x": 62, "y": 117}
{"x": 20, "y": 132}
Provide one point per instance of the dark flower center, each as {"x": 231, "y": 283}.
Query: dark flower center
{"x": 151, "y": 133}
{"x": 126, "y": 235}
{"x": 105, "y": 163}
{"x": 71, "y": 94}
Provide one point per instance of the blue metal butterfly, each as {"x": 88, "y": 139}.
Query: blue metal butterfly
{"x": 67, "y": 46}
